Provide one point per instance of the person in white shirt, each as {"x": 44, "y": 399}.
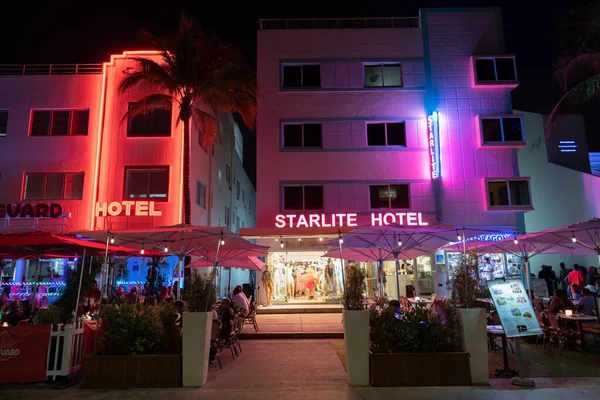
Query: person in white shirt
{"x": 241, "y": 300}
{"x": 488, "y": 270}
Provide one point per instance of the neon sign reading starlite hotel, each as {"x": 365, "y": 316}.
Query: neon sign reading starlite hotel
{"x": 347, "y": 219}
{"x": 433, "y": 133}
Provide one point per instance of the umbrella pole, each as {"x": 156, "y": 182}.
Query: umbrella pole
{"x": 229, "y": 282}
{"x": 179, "y": 266}
{"x": 104, "y": 269}
{"x": 342, "y": 261}
{"x": 397, "y": 278}
{"x": 80, "y": 281}
{"x": 214, "y": 271}
{"x": 35, "y": 281}
{"x": 527, "y": 276}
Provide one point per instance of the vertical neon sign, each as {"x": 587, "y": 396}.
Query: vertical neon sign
{"x": 433, "y": 133}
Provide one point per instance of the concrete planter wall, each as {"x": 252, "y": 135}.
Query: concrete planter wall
{"x": 197, "y": 328}
{"x": 356, "y": 338}
{"x": 420, "y": 369}
{"x": 474, "y": 335}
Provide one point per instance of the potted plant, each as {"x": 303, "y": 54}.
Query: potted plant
{"x": 417, "y": 347}
{"x": 201, "y": 295}
{"x": 465, "y": 289}
{"x": 140, "y": 347}
{"x": 356, "y": 327}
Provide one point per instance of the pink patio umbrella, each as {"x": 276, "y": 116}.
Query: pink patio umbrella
{"x": 251, "y": 263}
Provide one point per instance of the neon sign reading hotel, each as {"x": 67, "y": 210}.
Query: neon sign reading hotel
{"x": 346, "y": 219}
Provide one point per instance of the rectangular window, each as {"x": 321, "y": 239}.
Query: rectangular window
{"x": 237, "y": 189}
{"x": 226, "y": 216}
{"x": 155, "y": 123}
{"x": 383, "y": 75}
{"x": 309, "y": 197}
{"x": 495, "y": 69}
{"x": 53, "y": 186}
{"x": 386, "y": 134}
{"x": 201, "y": 194}
{"x": 508, "y": 193}
{"x": 501, "y": 129}
{"x": 3, "y": 122}
{"x": 147, "y": 183}
{"x": 59, "y": 122}
{"x": 237, "y": 223}
{"x": 302, "y": 76}
{"x": 389, "y": 196}
{"x": 228, "y": 175}
{"x": 244, "y": 197}
{"x": 302, "y": 135}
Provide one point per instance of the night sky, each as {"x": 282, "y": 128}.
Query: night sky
{"x": 89, "y": 31}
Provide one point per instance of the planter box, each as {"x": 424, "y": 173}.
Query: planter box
{"x": 474, "y": 335}
{"x": 160, "y": 370}
{"x": 420, "y": 369}
{"x": 356, "y": 339}
{"x": 197, "y": 328}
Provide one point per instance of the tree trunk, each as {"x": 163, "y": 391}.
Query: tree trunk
{"x": 187, "y": 196}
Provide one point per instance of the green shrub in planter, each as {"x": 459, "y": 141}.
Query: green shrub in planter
{"x": 52, "y": 315}
{"x": 356, "y": 287}
{"x": 420, "y": 330}
{"x": 201, "y": 292}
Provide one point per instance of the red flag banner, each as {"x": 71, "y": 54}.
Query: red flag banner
{"x": 23, "y": 351}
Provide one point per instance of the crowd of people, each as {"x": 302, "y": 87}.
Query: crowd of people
{"x": 573, "y": 281}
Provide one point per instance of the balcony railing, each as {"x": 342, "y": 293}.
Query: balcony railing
{"x": 50, "y": 69}
{"x": 340, "y": 23}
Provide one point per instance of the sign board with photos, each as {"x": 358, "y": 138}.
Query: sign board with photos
{"x": 514, "y": 308}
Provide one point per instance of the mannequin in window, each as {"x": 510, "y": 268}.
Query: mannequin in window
{"x": 267, "y": 281}
{"x": 329, "y": 274}
{"x": 289, "y": 280}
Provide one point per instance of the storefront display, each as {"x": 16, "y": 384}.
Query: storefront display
{"x": 514, "y": 308}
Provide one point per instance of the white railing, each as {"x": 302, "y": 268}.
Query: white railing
{"x": 65, "y": 351}
{"x": 340, "y": 23}
{"x": 50, "y": 69}
{"x": 24, "y": 225}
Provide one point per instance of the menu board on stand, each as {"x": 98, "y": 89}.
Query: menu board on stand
{"x": 514, "y": 308}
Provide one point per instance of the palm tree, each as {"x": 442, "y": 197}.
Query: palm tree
{"x": 578, "y": 70}
{"x": 203, "y": 76}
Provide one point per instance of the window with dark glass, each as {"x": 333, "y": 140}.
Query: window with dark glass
{"x": 147, "y": 183}
{"x": 237, "y": 190}
{"x": 302, "y": 76}
{"x": 308, "y": 197}
{"x": 504, "y": 129}
{"x": 302, "y": 135}
{"x": 157, "y": 122}
{"x": 227, "y": 221}
{"x": 386, "y": 134}
{"x": 53, "y": 186}
{"x": 508, "y": 193}
{"x": 200, "y": 194}
{"x": 59, "y": 122}
{"x": 495, "y": 69}
{"x": 383, "y": 75}
{"x": 3, "y": 122}
{"x": 389, "y": 196}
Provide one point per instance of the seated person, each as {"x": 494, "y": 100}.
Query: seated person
{"x": 132, "y": 296}
{"x": 575, "y": 292}
{"x": 15, "y": 314}
{"x": 587, "y": 304}
{"x": 241, "y": 300}
{"x": 392, "y": 308}
{"x": 560, "y": 302}
{"x": 226, "y": 315}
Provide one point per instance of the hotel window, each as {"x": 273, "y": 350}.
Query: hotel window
{"x": 383, "y": 75}
{"x": 3, "y": 122}
{"x": 228, "y": 175}
{"x": 508, "y": 193}
{"x": 201, "y": 194}
{"x": 386, "y": 134}
{"x": 389, "y": 196}
{"x": 302, "y": 76}
{"x": 501, "y": 129}
{"x": 226, "y": 216}
{"x": 495, "y": 69}
{"x": 156, "y": 123}
{"x": 244, "y": 197}
{"x": 59, "y": 122}
{"x": 237, "y": 189}
{"x": 309, "y": 197}
{"x": 237, "y": 224}
{"x": 302, "y": 135}
{"x": 147, "y": 183}
{"x": 53, "y": 186}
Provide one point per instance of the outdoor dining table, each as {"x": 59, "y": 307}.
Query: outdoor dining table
{"x": 506, "y": 370}
{"x": 578, "y": 318}
{"x": 414, "y": 300}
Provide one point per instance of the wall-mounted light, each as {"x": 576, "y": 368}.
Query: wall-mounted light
{"x": 281, "y": 242}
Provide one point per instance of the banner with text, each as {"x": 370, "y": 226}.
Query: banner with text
{"x": 23, "y": 351}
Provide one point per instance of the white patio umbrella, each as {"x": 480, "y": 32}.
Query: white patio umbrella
{"x": 179, "y": 240}
{"x": 396, "y": 242}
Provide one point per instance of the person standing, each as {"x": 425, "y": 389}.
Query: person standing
{"x": 575, "y": 280}
{"x": 563, "y": 276}
{"x": 592, "y": 280}
{"x": 488, "y": 270}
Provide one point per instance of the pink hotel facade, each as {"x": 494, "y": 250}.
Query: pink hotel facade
{"x": 405, "y": 116}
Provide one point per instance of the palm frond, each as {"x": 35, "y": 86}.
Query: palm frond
{"x": 208, "y": 127}
{"x": 151, "y": 76}
{"x": 584, "y": 92}
{"x": 572, "y": 70}
{"x": 149, "y": 103}
{"x": 234, "y": 102}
